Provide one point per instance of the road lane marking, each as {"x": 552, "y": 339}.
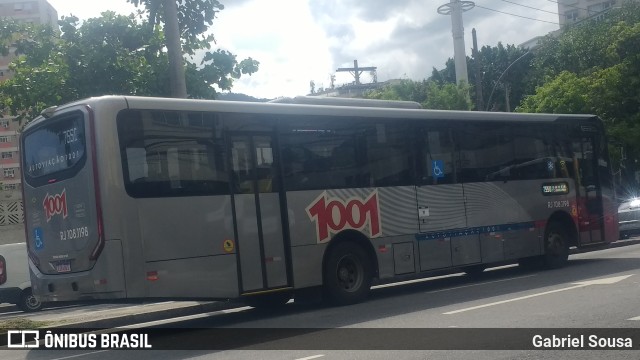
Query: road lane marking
{"x": 310, "y": 357}
{"x": 606, "y": 281}
{"x": 482, "y": 283}
{"x": 414, "y": 281}
{"x": 78, "y": 355}
{"x": 182, "y": 318}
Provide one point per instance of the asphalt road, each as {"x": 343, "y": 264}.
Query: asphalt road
{"x": 597, "y": 290}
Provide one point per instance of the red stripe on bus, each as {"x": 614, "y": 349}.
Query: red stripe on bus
{"x": 540, "y": 224}
{"x": 152, "y": 275}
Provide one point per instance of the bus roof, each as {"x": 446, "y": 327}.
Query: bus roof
{"x": 337, "y": 101}
{"x": 279, "y": 108}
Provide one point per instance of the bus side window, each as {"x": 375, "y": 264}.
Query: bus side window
{"x": 327, "y": 156}
{"x": 438, "y": 157}
{"x": 137, "y": 164}
{"x": 390, "y": 154}
{"x": 171, "y": 154}
{"x": 534, "y": 156}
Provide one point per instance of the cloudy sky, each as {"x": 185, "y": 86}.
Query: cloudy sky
{"x": 297, "y": 41}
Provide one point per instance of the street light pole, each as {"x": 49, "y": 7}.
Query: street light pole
{"x": 455, "y": 8}
{"x": 501, "y": 75}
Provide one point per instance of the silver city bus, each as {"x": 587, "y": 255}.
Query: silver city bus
{"x": 132, "y": 197}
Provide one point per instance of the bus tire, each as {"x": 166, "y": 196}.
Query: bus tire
{"x": 28, "y": 301}
{"x": 556, "y": 246}
{"x": 347, "y": 274}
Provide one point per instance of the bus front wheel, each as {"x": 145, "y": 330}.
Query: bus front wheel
{"x": 347, "y": 274}
{"x": 556, "y": 247}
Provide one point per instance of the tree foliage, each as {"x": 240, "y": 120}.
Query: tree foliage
{"x": 404, "y": 90}
{"x": 110, "y": 54}
{"x": 499, "y": 85}
{"x": 594, "y": 68}
{"x": 584, "y": 47}
{"x": 448, "y": 97}
{"x": 194, "y": 20}
{"x": 430, "y": 94}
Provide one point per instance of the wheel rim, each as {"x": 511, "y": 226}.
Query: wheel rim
{"x": 555, "y": 245}
{"x": 32, "y": 302}
{"x": 349, "y": 273}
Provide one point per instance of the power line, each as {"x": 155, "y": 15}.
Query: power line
{"x": 530, "y": 7}
{"x": 520, "y": 16}
{"x": 573, "y": 6}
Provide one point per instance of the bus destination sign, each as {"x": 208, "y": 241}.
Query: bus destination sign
{"x": 556, "y": 188}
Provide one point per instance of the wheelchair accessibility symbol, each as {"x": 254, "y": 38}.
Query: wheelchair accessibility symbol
{"x": 37, "y": 238}
{"x": 437, "y": 167}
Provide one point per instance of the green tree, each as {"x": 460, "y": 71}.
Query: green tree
{"x": 186, "y": 24}
{"x": 111, "y": 54}
{"x": 405, "y": 90}
{"x": 28, "y": 92}
{"x": 608, "y": 89}
{"x": 431, "y": 94}
{"x": 448, "y": 97}
{"x": 499, "y": 94}
{"x": 584, "y": 47}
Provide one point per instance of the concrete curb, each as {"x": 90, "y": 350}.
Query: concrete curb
{"x": 616, "y": 244}
{"x": 625, "y": 242}
{"x": 148, "y": 316}
{"x": 163, "y": 311}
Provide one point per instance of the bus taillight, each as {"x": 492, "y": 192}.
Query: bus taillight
{"x": 3, "y": 270}
{"x": 96, "y": 185}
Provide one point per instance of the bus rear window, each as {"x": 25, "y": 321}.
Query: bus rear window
{"x": 57, "y": 146}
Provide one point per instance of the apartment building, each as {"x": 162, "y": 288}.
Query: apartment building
{"x": 30, "y": 11}
{"x": 9, "y": 157}
{"x": 572, "y": 11}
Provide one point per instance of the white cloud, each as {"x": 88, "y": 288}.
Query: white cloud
{"x": 88, "y": 9}
{"x": 297, "y": 41}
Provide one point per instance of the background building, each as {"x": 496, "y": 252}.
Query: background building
{"x": 28, "y": 11}
{"x": 11, "y": 214}
{"x": 572, "y": 11}
{"x": 9, "y": 156}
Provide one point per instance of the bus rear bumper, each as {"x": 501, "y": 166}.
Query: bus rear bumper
{"x": 104, "y": 281}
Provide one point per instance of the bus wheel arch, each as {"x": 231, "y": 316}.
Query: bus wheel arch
{"x": 559, "y": 235}
{"x": 348, "y": 268}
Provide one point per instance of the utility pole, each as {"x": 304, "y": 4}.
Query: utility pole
{"x": 455, "y": 8}
{"x": 507, "y": 90}
{"x": 476, "y": 57}
{"x": 356, "y": 71}
{"x": 174, "y": 50}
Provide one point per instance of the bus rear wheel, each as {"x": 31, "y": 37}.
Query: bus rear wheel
{"x": 556, "y": 247}
{"x": 347, "y": 274}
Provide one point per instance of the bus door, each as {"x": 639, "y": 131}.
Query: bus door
{"x": 443, "y": 241}
{"x": 589, "y": 194}
{"x": 257, "y": 213}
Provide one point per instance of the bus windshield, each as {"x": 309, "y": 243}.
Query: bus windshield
{"x": 57, "y": 146}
